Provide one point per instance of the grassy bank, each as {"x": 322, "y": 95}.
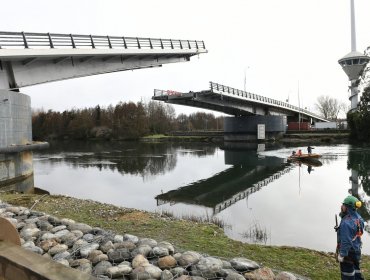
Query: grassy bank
{"x": 186, "y": 235}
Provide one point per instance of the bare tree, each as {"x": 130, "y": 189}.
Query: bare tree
{"x": 329, "y": 107}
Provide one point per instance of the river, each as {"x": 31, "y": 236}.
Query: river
{"x": 250, "y": 188}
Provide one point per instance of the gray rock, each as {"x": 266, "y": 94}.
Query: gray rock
{"x": 234, "y": 276}
{"x": 63, "y": 255}
{"x": 118, "y": 238}
{"x": 125, "y": 244}
{"x": 142, "y": 250}
{"x": 58, "y": 228}
{"x": 243, "y": 264}
{"x": 28, "y": 244}
{"x": 86, "y": 249}
{"x": 101, "y": 268}
{"x": 47, "y": 236}
{"x": 160, "y": 252}
{"x": 178, "y": 271}
{"x": 69, "y": 239}
{"x": 208, "y": 267}
{"x": 147, "y": 241}
{"x": 146, "y": 272}
{"x": 119, "y": 271}
{"x": 44, "y": 225}
{"x": 107, "y": 246}
{"x": 189, "y": 258}
{"x": 168, "y": 246}
{"x": 77, "y": 233}
{"x": 54, "y": 221}
{"x": 285, "y": 276}
{"x": 132, "y": 238}
{"x": 119, "y": 255}
{"x": 60, "y": 248}
{"x": 166, "y": 275}
{"x": 99, "y": 258}
{"x": 67, "y": 222}
{"x": 79, "y": 244}
{"x": 80, "y": 226}
{"x": 63, "y": 262}
{"x": 18, "y": 225}
{"x": 28, "y": 233}
{"x": 88, "y": 237}
{"x": 61, "y": 233}
{"x": 226, "y": 265}
{"x": 32, "y": 221}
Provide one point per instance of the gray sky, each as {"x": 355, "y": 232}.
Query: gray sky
{"x": 273, "y": 44}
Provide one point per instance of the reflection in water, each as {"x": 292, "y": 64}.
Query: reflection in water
{"x": 359, "y": 164}
{"x": 133, "y": 158}
{"x": 248, "y": 174}
{"x": 245, "y": 187}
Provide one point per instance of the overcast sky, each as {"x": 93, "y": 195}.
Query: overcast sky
{"x": 274, "y": 45}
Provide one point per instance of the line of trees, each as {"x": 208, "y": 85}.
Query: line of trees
{"x": 359, "y": 120}
{"x": 126, "y": 120}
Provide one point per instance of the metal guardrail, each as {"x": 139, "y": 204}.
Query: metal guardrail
{"x": 20, "y": 40}
{"x": 260, "y": 98}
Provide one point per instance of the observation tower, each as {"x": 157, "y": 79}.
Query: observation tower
{"x": 353, "y": 63}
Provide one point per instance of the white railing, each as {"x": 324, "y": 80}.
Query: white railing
{"x": 11, "y": 40}
{"x": 261, "y": 99}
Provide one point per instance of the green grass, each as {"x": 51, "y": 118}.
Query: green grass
{"x": 185, "y": 235}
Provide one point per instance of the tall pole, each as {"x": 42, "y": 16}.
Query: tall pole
{"x": 299, "y": 112}
{"x": 353, "y": 27}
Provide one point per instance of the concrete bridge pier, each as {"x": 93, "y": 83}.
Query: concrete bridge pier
{"x": 16, "y": 138}
{"x": 245, "y": 128}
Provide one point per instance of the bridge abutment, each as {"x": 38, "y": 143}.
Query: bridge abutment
{"x": 244, "y": 128}
{"x": 15, "y": 137}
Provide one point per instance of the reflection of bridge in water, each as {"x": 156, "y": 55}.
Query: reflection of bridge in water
{"x": 249, "y": 174}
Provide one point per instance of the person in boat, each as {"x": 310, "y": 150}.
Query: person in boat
{"x": 309, "y": 149}
{"x": 299, "y": 153}
{"x": 293, "y": 153}
{"x": 349, "y": 239}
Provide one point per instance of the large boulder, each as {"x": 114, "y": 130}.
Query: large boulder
{"x": 243, "y": 264}
{"x": 188, "y": 258}
{"x": 146, "y": 272}
{"x": 285, "y": 276}
{"x": 264, "y": 273}
{"x": 208, "y": 267}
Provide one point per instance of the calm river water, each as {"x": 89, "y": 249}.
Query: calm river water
{"x": 250, "y": 188}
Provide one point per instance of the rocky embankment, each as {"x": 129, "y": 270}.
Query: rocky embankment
{"x": 108, "y": 255}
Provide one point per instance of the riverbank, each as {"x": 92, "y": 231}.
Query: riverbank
{"x": 185, "y": 235}
{"x": 291, "y": 137}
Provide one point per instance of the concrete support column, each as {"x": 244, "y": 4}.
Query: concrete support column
{"x": 15, "y": 131}
{"x": 245, "y": 128}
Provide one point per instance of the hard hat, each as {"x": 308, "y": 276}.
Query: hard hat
{"x": 352, "y": 202}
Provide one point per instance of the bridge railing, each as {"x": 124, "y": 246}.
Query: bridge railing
{"x": 259, "y": 98}
{"x": 20, "y": 40}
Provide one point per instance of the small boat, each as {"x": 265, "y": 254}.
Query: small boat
{"x": 304, "y": 157}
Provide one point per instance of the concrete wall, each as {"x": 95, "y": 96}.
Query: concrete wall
{"x": 15, "y": 167}
{"x": 15, "y": 118}
{"x": 245, "y": 128}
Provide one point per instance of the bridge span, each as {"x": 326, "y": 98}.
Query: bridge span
{"x": 34, "y": 58}
{"x": 234, "y": 102}
{"x": 254, "y": 116}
